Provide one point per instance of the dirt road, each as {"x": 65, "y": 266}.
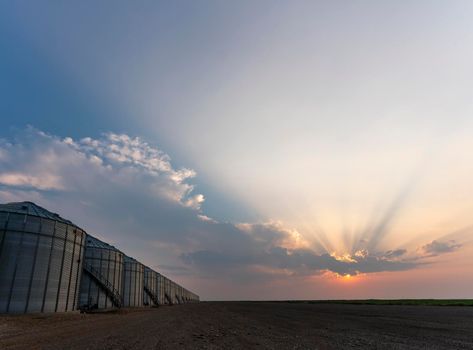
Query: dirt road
{"x": 246, "y": 325}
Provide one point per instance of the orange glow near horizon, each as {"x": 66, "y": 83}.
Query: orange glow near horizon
{"x": 343, "y": 278}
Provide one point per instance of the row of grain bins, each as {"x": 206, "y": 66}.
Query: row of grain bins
{"x": 48, "y": 264}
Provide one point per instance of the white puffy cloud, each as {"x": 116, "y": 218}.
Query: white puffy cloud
{"x": 45, "y": 162}
{"x": 194, "y": 201}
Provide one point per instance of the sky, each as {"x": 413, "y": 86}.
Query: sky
{"x": 251, "y": 150}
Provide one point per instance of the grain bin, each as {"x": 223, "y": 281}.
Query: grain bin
{"x": 151, "y": 288}
{"x": 40, "y": 260}
{"x": 102, "y": 276}
{"x": 167, "y": 291}
{"x": 133, "y": 282}
{"x": 162, "y": 298}
{"x": 179, "y": 294}
{"x": 193, "y": 297}
{"x": 174, "y": 293}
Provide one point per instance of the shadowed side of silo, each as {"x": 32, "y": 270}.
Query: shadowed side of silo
{"x": 103, "y": 276}
{"x": 40, "y": 260}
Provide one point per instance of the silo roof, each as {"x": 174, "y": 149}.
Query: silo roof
{"x": 131, "y": 259}
{"x": 97, "y": 243}
{"x": 33, "y": 209}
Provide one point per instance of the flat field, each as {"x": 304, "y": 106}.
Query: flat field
{"x": 431, "y": 302}
{"x": 247, "y": 325}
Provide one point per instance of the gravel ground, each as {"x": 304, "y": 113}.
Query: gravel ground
{"x": 246, "y": 325}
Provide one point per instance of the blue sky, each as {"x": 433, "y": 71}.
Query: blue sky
{"x": 46, "y": 49}
{"x": 332, "y": 137}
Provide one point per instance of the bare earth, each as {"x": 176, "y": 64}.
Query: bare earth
{"x": 246, "y": 325}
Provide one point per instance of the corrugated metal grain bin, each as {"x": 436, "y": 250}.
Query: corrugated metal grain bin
{"x": 193, "y": 297}
{"x": 133, "y": 282}
{"x": 162, "y": 298}
{"x": 167, "y": 291}
{"x": 40, "y": 260}
{"x": 187, "y": 296}
{"x": 174, "y": 292}
{"x": 103, "y": 276}
{"x": 151, "y": 288}
{"x": 179, "y": 294}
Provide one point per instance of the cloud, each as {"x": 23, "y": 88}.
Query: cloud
{"x": 436, "y": 247}
{"x": 48, "y": 182}
{"x": 127, "y": 192}
{"x": 206, "y": 218}
{"x": 395, "y": 253}
{"x": 297, "y": 261}
{"x": 45, "y": 162}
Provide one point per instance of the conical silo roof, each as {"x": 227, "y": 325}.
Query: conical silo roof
{"x": 97, "y": 243}
{"x": 33, "y": 209}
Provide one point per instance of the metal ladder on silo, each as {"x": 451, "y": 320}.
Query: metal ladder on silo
{"x": 105, "y": 284}
{"x": 153, "y": 296}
